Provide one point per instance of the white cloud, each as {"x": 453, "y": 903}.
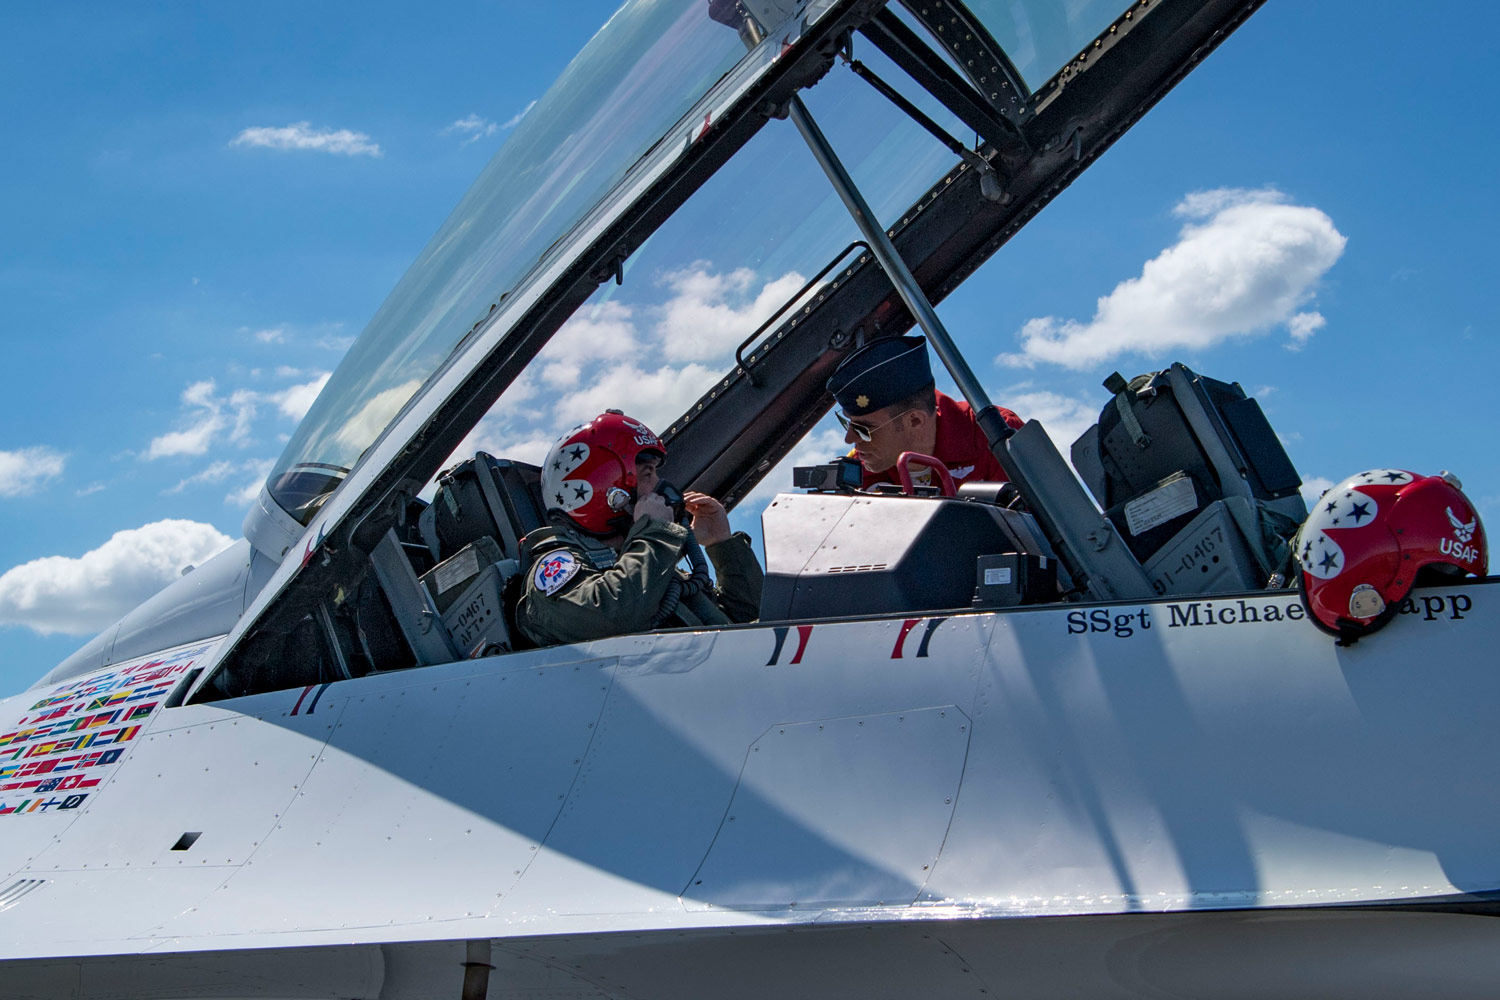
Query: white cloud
{"x": 212, "y": 418}
{"x": 1302, "y": 326}
{"x": 1243, "y": 264}
{"x": 86, "y": 593}
{"x": 242, "y": 405}
{"x": 604, "y": 332}
{"x": 494, "y": 439}
{"x": 1205, "y": 204}
{"x": 1314, "y": 488}
{"x": 515, "y": 119}
{"x": 28, "y": 470}
{"x": 473, "y": 128}
{"x": 1064, "y": 418}
{"x": 215, "y": 473}
{"x": 366, "y": 424}
{"x": 255, "y": 477}
{"x": 252, "y": 475}
{"x": 708, "y": 314}
{"x": 206, "y": 421}
{"x": 655, "y": 398}
{"x": 324, "y": 335}
{"x": 652, "y": 359}
{"x": 301, "y": 135}
{"x": 294, "y": 402}
{"x": 199, "y": 394}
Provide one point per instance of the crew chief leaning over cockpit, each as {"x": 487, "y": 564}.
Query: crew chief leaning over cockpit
{"x": 889, "y": 405}
{"x": 608, "y": 563}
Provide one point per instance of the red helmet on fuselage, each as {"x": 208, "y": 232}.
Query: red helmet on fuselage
{"x": 1359, "y": 551}
{"x": 591, "y": 460}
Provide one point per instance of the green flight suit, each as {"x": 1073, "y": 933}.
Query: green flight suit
{"x": 576, "y": 588}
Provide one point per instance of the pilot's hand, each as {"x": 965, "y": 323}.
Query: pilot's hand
{"x": 652, "y": 507}
{"x": 710, "y": 519}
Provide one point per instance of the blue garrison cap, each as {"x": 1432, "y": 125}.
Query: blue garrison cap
{"x": 882, "y": 372}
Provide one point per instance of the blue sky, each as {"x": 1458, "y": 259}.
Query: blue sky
{"x": 202, "y": 204}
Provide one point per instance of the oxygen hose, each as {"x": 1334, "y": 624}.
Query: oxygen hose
{"x": 695, "y": 583}
{"x": 698, "y": 581}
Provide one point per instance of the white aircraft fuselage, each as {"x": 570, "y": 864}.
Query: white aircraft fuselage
{"x": 294, "y": 774}
{"x": 1144, "y": 777}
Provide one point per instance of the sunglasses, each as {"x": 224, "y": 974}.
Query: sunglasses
{"x": 864, "y": 431}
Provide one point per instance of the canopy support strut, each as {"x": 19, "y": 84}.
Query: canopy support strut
{"x": 903, "y": 280}
{"x": 1117, "y": 574}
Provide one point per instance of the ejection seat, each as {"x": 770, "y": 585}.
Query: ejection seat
{"x": 483, "y": 507}
{"x": 1195, "y": 481}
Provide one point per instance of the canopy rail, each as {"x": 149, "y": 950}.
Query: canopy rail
{"x": 934, "y": 74}
{"x": 979, "y": 56}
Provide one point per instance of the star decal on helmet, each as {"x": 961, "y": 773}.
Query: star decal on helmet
{"x": 1320, "y": 555}
{"x": 1386, "y": 477}
{"x": 1360, "y": 554}
{"x": 1344, "y": 509}
{"x": 590, "y": 462}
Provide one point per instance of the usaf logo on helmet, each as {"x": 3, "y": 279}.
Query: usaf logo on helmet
{"x": 554, "y": 571}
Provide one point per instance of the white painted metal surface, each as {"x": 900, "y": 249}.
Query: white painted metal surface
{"x": 1168, "y": 757}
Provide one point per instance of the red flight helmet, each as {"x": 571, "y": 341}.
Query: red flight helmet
{"x": 592, "y": 461}
{"x": 1360, "y": 549}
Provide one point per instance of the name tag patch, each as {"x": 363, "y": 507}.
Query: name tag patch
{"x": 554, "y": 571}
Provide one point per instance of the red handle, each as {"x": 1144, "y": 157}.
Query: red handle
{"x": 903, "y": 472}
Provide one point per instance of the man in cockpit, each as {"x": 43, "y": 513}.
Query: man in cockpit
{"x": 608, "y": 563}
{"x": 888, "y": 404}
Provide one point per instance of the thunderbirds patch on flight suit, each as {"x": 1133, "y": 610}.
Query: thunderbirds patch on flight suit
{"x": 554, "y": 571}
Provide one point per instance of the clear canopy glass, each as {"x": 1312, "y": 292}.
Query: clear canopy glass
{"x": 736, "y": 251}
{"x": 1040, "y": 36}
{"x": 634, "y": 81}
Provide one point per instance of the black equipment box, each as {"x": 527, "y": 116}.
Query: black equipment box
{"x": 1010, "y": 579}
{"x": 844, "y": 474}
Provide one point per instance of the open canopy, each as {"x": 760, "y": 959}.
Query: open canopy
{"x": 661, "y": 143}
{"x": 624, "y": 96}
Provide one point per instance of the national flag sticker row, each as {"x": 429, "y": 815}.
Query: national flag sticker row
{"x": 62, "y": 748}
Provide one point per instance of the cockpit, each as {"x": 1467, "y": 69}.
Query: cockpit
{"x": 1188, "y": 472}
{"x": 711, "y": 208}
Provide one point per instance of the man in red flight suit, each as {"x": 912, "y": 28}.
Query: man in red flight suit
{"x": 889, "y": 405}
